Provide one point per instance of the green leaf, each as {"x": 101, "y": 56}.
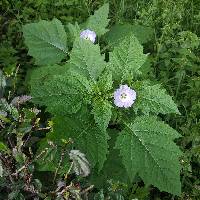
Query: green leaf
{"x": 4, "y": 106}
{"x": 74, "y": 31}
{"x": 119, "y": 32}
{"x": 102, "y": 113}
{"x": 46, "y": 41}
{"x": 147, "y": 148}
{"x": 63, "y": 93}
{"x": 99, "y": 196}
{"x": 113, "y": 168}
{"x": 86, "y": 58}
{"x": 45, "y": 73}
{"x": 52, "y": 157}
{"x": 3, "y": 147}
{"x": 86, "y": 137}
{"x": 127, "y": 58}
{"x": 99, "y": 21}
{"x": 154, "y": 99}
{"x": 105, "y": 81}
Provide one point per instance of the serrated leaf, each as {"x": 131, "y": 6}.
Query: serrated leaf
{"x": 99, "y": 21}
{"x": 86, "y": 58}
{"x": 113, "y": 168}
{"x": 102, "y": 113}
{"x": 62, "y": 93}
{"x": 46, "y": 41}
{"x": 74, "y": 31}
{"x": 127, "y": 58}
{"x": 45, "y": 73}
{"x": 154, "y": 99}
{"x": 147, "y": 148}
{"x": 88, "y": 138}
{"x": 105, "y": 81}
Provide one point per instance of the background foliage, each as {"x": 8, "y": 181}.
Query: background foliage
{"x": 171, "y": 36}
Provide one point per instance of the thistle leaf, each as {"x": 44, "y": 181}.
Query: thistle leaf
{"x": 147, "y": 148}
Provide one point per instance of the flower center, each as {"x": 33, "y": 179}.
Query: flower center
{"x": 123, "y": 96}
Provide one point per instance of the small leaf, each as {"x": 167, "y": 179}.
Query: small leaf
{"x": 4, "y": 106}
{"x": 147, "y": 148}
{"x": 74, "y": 31}
{"x": 99, "y": 21}
{"x": 105, "y": 81}
{"x": 80, "y": 163}
{"x": 46, "y": 41}
{"x": 102, "y": 113}
{"x": 99, "y": 196}
{"x": 3, "y": 147}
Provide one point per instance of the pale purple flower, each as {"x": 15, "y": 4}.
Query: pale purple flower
{"x": 88, "y": 35}
{"x": 124, "y": 96}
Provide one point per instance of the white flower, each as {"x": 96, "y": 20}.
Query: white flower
{"x": 88, "y": 35}
{"x": 124, "y": 96}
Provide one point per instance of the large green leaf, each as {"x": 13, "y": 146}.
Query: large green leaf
{"x": 99, "y": 21}
{"x": 87, "y": 137}
{"x": 113, "y": 168}
{"x": 147, "y": 148}
{"x": 86, "y": 58}
{"x": 154, "y": 99}
{"x": 127, "y": 58}
{"x": 62, "y": 93}
{"x": 46, "y": 41}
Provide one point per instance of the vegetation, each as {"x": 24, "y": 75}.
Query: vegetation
{"x": 65, "y": 135}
